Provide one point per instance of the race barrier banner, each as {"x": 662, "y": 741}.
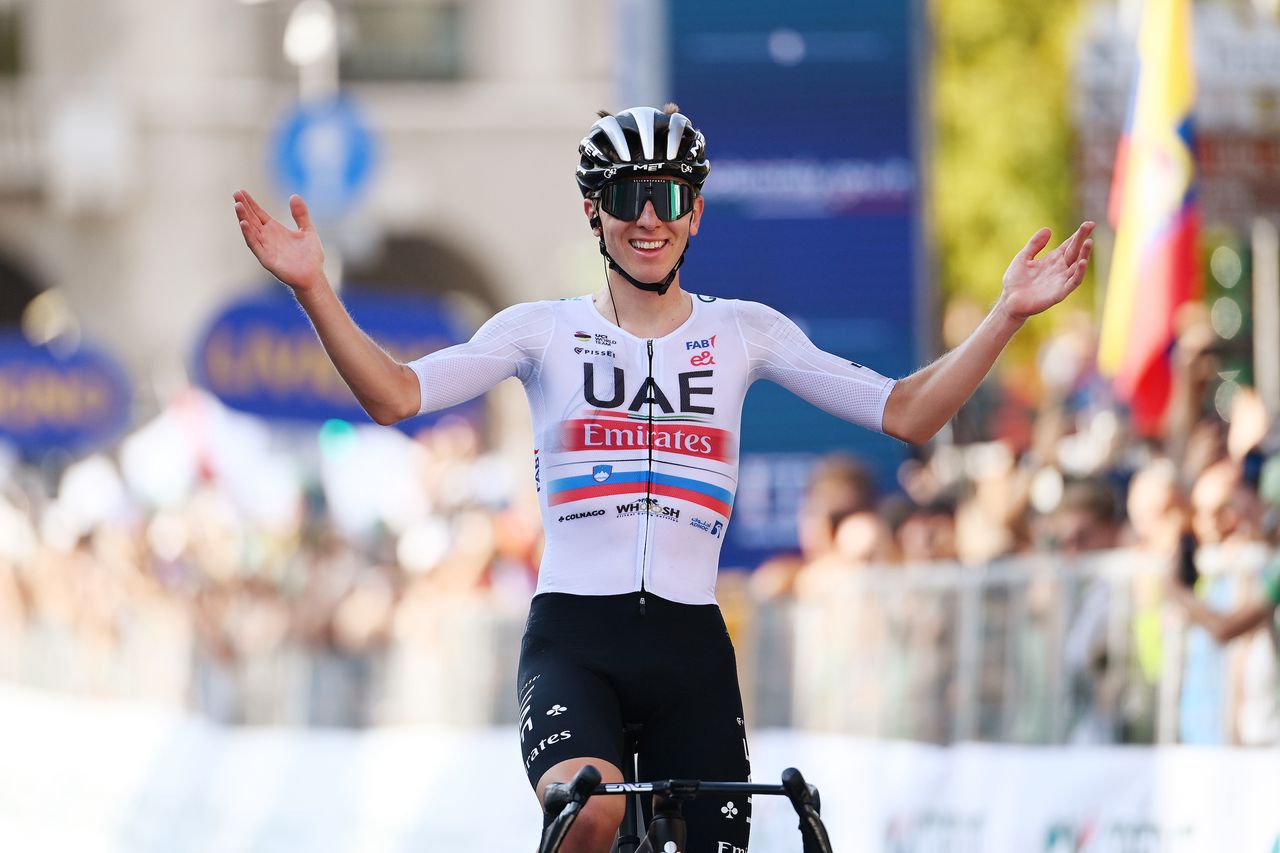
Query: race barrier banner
{"x": 94, "y": 777}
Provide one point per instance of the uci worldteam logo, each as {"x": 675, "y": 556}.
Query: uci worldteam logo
{"x": 600, "y": 473}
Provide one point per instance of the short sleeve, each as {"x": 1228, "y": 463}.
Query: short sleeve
{"x": 779, "y": 351}
{"x": 510, "y": 344}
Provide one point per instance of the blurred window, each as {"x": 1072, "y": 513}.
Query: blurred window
{"x": 403, "y": 40}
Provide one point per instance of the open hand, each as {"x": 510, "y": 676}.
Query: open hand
{"x": 1033, "y": 284}
{"x": 294, "y": 257}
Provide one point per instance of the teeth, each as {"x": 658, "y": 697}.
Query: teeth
{"x": 648, "y": 244}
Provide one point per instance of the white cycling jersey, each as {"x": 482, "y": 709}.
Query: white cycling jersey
{"x": 635, "y": 439}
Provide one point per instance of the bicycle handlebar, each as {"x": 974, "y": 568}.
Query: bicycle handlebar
{"x": 565, "y": 801}
{"x": 804, "y": 800}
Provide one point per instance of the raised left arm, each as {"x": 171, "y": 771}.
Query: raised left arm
{"x": 922, "y": 403}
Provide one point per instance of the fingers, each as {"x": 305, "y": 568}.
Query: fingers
{"x": 1038, "y": 241}
{"x": 250, "y": 234}
{"x": 252, "y": 207}
{"x": 1072, "y": 248}
{"x": 298, "y": 208}
{"x": 250, "y": 228}
{"x": 1080, "y": 266}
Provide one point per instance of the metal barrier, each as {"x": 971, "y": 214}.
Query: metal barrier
{"x": 1037, "y": 649}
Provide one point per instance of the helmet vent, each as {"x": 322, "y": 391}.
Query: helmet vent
{"x": 675, "y": 130}
{"x": 613, "y": 130}
{"x": 644, "y": 124}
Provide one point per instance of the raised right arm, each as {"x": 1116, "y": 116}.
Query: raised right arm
{"x": 386, "y": 389}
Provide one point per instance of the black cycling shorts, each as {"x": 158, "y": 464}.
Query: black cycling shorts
{"x": 590, "y": 664}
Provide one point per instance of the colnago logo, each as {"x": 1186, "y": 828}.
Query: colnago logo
{"x": 648, "y": 506}
{"x": 574, "y": 516}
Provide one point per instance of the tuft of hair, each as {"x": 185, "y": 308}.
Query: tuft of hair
{"x": 671, "y": 108}
{"x": 603, "y": 113}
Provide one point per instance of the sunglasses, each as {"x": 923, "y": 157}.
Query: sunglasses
{"x": 625, "y": 200}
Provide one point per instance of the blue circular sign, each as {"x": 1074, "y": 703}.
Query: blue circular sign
{"x": 325, "y": 153}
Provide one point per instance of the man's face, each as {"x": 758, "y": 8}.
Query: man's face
{"x": 1214, "y": 513}
{"x": 1077, "y": 531}
{"x": 647, "y": 247}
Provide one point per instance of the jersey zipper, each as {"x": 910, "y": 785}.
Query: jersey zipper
{"x": 648, "y": 486}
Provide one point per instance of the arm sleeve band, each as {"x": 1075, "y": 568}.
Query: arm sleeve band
{"x": 778, "y": 351}
{"x": 510, "y": 344}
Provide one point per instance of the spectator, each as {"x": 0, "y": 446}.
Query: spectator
{"x": 927, "y": 533}
{"x": 839, "y": 487}
{"x": 1225, "y": 569}
{"x": 1085, "y": 522}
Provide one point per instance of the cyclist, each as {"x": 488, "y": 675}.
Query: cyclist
{"x": 636, "y": 393}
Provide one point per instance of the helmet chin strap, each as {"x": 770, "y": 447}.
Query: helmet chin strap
{"x": 658, "y": 287}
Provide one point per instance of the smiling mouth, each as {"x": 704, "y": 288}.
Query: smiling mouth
{"x": 645, "y": 246}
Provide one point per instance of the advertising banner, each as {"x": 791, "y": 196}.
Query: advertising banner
{"x": 812, "y": 207}
{"x": 90, "y": 775}
{"x": 260, "y": 354}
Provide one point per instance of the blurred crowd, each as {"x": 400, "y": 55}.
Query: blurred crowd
{"x": 203, "y": 593}
{"x": 374, "y": 577}
{"x": 1147, "y": 563}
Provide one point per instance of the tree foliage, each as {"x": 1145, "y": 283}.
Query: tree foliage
{"x": 1002, "y": 152}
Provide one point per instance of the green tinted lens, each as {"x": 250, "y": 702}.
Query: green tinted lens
{"x": 626, "y": 199}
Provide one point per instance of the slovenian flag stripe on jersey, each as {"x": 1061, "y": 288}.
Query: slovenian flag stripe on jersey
{"x": 570, "y": 489}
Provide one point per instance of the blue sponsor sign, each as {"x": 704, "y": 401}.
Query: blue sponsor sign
{"x": 48, "y": 400}
{"x": 813, "y": 205}
{"x": 324, "y": 152}
{"x": 261, "y": 355}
